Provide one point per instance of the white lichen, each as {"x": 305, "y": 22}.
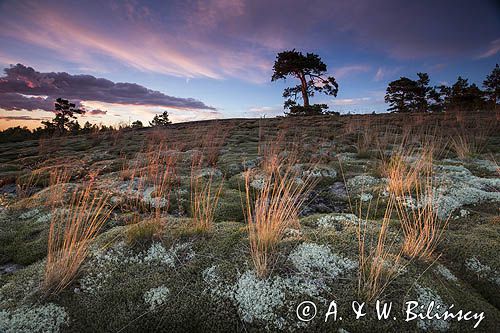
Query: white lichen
{"x": 262, "y": 299}
{"x": 366, "y": 197}
{"x": 103, "y": 263}
{"x": 457, "y": 187}
{"x": 314, "y": 259}
{"x": 47, "y": 318}
{"x": 158, "y": 254}
{"x": 216, "y": 285}
{"x": 332, "y": 220}
{"x": 319, "y": 171}
{"x": 361, "y": 183}
{"x": 257, "y": 299}
{"x": 156, "y": 297}
{"x": 446, "y": 273}
{"x": 29, "y": 214}
{"x": 210, "y": 172}
{"x": 424, "y": 297}
{"x": 482, "y": 271}
{"x": 258, "y": 182}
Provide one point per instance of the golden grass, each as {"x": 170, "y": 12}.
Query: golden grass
{"x": 25, "y": 185}
{"x": 161, "y": 173}
{"x": 378, "y": 266}
{"x": 411, "y": 186}
{"x": 402, "y": 175}
{"x": 365, "y": 139}
{"x": 212, "y": 142}
{"x": 467, "y": 144}
{"x": 70, "y": 234}
{"x": 154, "y": 167}
{"x": 57, "y": 176}
{"x": 407, "y": 162}
{"x": 422, "y": 228}
{"x": 204, "y": 198}
{"x": 273, "y": 207}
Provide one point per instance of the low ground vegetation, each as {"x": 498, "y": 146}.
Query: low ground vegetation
{"x": 231, "y": 230}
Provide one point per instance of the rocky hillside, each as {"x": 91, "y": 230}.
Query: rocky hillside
{"x": 148, "y": 268}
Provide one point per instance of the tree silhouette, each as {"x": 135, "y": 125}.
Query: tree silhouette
{"x": 160, "y": 120}
{"x": 401, "y": 95}
{"x": 310, "y": 70}
{"x": 462, "y": 96}
{"x": 492, "y": 87}
{"x": 137, "y": 124}
{"x": 407, "y": 95}
{"x": 65, "y": 117}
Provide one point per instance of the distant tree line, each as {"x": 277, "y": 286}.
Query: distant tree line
{"x": 407, "y": 95}
{"x": 65, "y": 123}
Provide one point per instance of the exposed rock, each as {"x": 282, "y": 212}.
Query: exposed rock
{"x": 9, "y": 268}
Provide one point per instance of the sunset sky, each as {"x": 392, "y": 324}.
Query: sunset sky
{"x": 128, "y": 60}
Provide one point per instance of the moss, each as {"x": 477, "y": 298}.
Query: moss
{"x": 189, "y": 308}
{"x": 476, "y": 241}
{"x": 229, "y": 207}
{"x": 143, "y": 233}
{"x": 8, "y": 167}
{"x": 23, "y": 241}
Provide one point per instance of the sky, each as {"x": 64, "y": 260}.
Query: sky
{"x": 126, "y": 60}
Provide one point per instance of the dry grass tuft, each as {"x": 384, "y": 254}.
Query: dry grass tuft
{"x": 25, "y": 185}
{"x": 273, "y": 206}
{"x": 155, "y": 167}
{"x": 70, "y": 234}
{"x": 212, "y": 142}
{"x": 467, "y": 144}
{"x": 204, "y": 198}
{"x": 57, "y": 176}
{"x": 410, "y": 185}
{"x": 422, "y": 228}
{"x": 378, "y": 266}
{"x": 365, "y": 139}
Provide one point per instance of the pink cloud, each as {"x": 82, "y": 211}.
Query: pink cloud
{"x": 493, "y": 49}
{"x": 349, "y": 70}
{"x": 385, "y": 73}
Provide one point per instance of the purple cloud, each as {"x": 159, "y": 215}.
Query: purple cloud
{"x": 14, "y": 101}
{"x": 96, "y": 112}
{"x": 21, "y": 118}
{"x": 21, "y": 80}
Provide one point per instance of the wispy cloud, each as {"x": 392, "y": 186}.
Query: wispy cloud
{"x": 7, "y": 118}
{"x": 261, "y": 111}
{"x": 350, "y": 101}
{"x": 150, "y": 46}
{"x": 384, "y": 73}
{"x": 493, "y": 49}
{"x": 349, "y": 70}
{"x": 237, "y": 38}
{"x": 96, "y": 112}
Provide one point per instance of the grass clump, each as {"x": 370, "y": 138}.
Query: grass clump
{"x": 204, "y": 198}
{"x": 70, "y": 234}
{"x": 273, "y": 206}
{"x": 378, "y": 266}
{"x": 421, "y": 225}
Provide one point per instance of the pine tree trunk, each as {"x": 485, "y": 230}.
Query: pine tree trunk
{"x": 305, "y": 96}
